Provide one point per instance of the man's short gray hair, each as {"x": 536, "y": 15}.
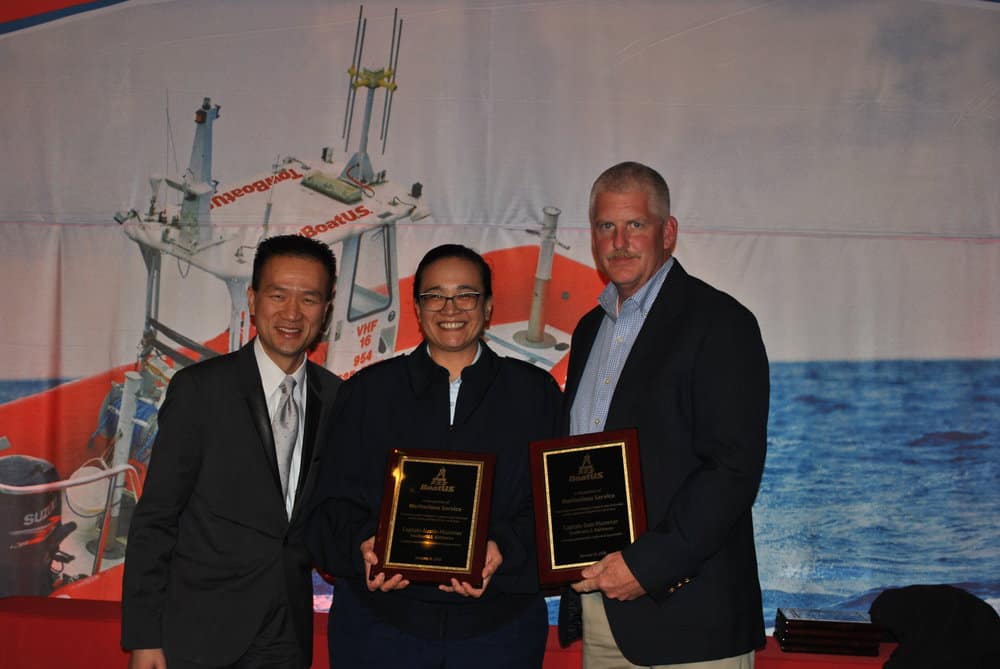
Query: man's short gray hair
{"x": 632, "y": 176}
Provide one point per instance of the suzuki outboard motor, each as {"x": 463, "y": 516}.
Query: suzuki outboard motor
{"x": 30, "y": 527}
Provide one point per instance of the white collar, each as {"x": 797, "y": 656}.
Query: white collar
{"x": 271, "y": 375}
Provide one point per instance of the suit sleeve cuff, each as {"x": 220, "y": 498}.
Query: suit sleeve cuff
{"x": 645, "y": 559}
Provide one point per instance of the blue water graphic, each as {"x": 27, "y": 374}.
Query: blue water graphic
{"x": 12, "y": 390}
{"x": 879, "y": 474}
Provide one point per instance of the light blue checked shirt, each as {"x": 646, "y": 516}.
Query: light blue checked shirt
{"x": 615, "y": 337}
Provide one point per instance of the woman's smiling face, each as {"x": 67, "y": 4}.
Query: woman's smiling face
{"x": 452, "y": 330}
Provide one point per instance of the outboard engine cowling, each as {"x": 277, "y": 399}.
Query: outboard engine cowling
{"x": 30, "y": 527}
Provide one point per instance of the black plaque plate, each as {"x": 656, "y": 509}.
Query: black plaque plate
{"x": 588, "y": 501}
{"x": 434, "y": 515}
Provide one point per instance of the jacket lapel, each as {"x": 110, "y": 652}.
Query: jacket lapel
{"x": 650, "y": 350}
{"x": 315, "y": 415}
{"x": 253, "y": 394}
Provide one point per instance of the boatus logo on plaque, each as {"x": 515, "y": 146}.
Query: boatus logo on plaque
{"x": 439, "y": 483}
{"x": 434, "y": 516}
{"x": 588, "y": 501}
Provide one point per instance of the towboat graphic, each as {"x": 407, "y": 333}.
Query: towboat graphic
{"x": 66, "y": 535}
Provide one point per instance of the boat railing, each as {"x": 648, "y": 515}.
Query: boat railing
{"x": 116, "y": 481}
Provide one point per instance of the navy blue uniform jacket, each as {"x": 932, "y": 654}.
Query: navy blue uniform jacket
{"x": 503, "y": 404}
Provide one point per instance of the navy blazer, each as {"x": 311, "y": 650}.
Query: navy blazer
{"x": 211, "y": 548}
{"x": 696, "y": 387}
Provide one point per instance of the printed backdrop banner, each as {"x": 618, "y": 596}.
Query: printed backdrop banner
{"x": 832, "y": 165}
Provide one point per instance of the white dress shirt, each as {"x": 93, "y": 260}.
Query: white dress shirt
{"x": 271, "y": 377}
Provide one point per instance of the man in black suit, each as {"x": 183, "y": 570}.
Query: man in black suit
{"x": 684, "y": 364}
{"x": 216, "y": 573}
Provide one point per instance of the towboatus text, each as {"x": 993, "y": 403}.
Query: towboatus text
{"x": 340, "y": 219}
{"x": 259, "y": 186}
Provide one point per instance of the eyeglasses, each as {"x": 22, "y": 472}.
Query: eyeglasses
{"x": 462, "y": 301}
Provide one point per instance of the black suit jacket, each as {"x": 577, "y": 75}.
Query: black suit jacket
{"x": 696, "y": 387}
{"x": 211, "y": 550}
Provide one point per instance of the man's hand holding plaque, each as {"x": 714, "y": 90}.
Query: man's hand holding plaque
{"x": 612, "y": 577}
{"x": 589, "y": 503}
{"x": 433, "y": 521}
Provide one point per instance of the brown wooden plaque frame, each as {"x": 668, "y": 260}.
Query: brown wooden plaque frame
{"x": 432, "y": 525}
{"x": 598, "y": 507}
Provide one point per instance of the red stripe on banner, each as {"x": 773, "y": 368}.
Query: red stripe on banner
{"x": 21, "y": 14}
{"x": 21, "y": 9}
{"x": 55, "y": 424}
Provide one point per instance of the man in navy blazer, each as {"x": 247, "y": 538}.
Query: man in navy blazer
{"x": 216, "y": 572}
{"x": 684, "y": 364}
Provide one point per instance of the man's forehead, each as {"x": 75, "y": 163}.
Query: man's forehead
{"x": 635, "y": 197}
{"x": 290, "y": 287}
{"x": 278, "y": 267}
